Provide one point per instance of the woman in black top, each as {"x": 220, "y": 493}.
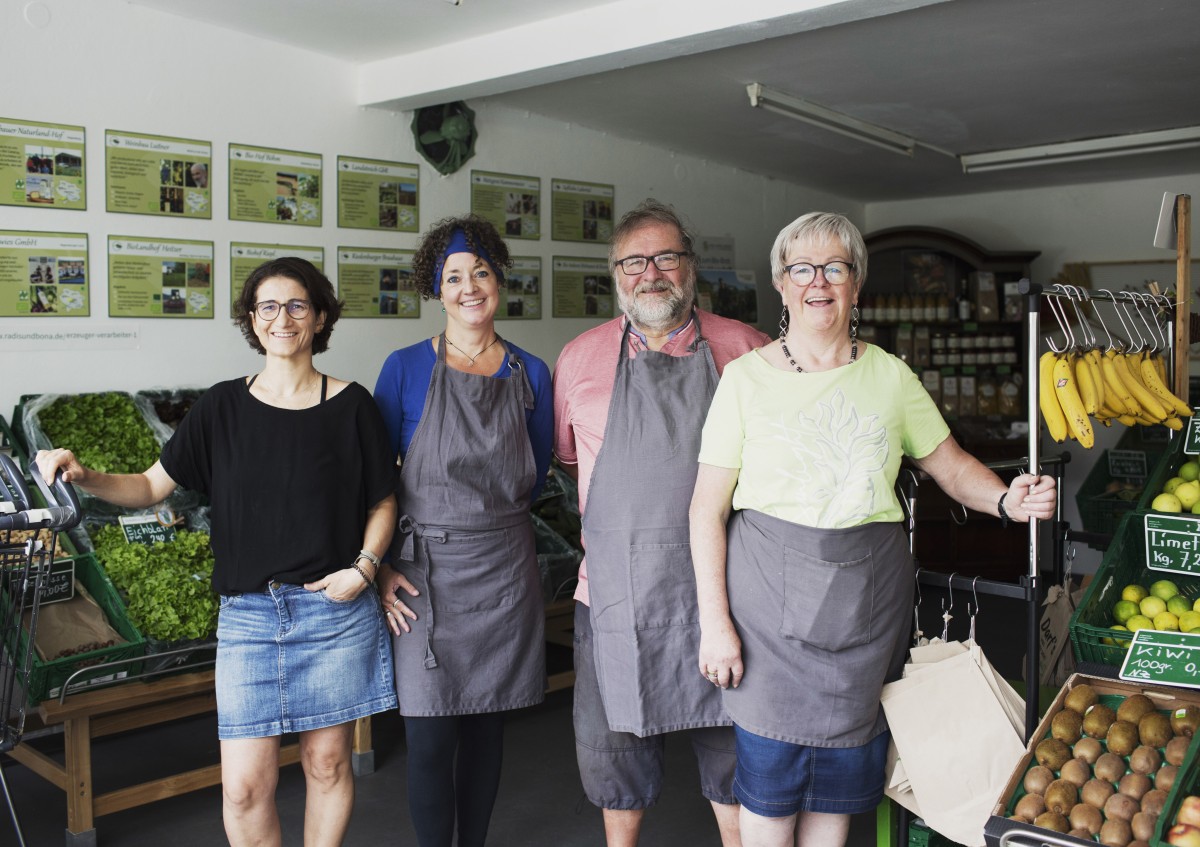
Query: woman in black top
{"x": 299, "y": 471}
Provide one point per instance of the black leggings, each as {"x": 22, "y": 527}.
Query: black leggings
{"x": 453, "y": 773}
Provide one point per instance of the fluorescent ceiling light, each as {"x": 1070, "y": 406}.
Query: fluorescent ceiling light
{"x": 802, "y": 110}
{"x": 1082, "y": 151}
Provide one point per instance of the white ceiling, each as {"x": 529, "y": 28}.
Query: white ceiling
{"x": 966, "y": 76}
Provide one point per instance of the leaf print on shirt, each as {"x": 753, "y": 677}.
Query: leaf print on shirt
{"x": 838, "y": 454}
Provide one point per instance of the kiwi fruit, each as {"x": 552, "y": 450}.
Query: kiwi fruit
{"x": 1121, "y": 806}
{"x": 1054, "y": 821}
{"x": 1109, "y": 767}
{"x": 1135, "y": 786}
{"x": 1176, "y": 749}
{"x": 1061, "y": 796}
{"x": 1076, "y": 771}
{"x": 1145, "y": 760}
{"x": 1153, "y": 801}
{"x": 1080, "y": 698}
{"x": 1052, "y": 753}
{"x": 1137, "y": 842}
{"x": 1097, "y": 720}
{"x": 1165, "y": 778}
{"x": 1121, "y": 738}
{"x": 1142, "y": 825}
{"x": 1088, "y": 749}
{"x": 1087, "y": 818}
{"x": 1154, "y": 729}
{"x": 1037, "y": 778}
{"x": 1096, "y": 791}
{"x": 1115, "y": 833}
{"x": 1185, "y": 720}
{"x": 1079, "y": 833}
{"x": 1029, "y": 807}
{"x": 1133, "y": 707}
{"x": 1067, "y": 726}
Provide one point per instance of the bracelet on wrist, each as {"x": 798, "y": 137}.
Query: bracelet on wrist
{"x": 369, "y": 556}
{"x": 362, "y": 573}
{"x": 1000, "y": 510}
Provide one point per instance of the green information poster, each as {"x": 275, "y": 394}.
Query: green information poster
{"x": 244, "y": 258}
{"x": 512, "y": 203}
{"x": 159, "y": 278}
{"x": 521, "y": 297}
{"x": 156, "y": 175}
{"x": 44, "y": 273}
{"x": 581, "y": 211}
{"x": 41, "y": 165}
{"x": 274, "y": 186}
{"x": 582, "y": 288}
{"x": 378, "y": 195}
{"x": 377, "y": 283}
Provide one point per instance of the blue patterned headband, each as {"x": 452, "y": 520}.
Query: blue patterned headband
{"x": 458, "y": 244}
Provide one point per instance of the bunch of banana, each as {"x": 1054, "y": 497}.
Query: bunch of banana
{"x": 1129, "y": 388}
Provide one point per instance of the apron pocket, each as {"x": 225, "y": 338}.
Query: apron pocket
{"x": 664, "y": 585}
{"x": 481, "y": 571}
{"x": 827, "y": 604}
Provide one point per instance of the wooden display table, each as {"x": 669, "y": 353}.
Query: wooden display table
{"x": 133, "y": 705}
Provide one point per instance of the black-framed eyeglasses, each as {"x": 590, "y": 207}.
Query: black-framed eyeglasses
{"x": 634, "y": 265}
{"x": 268, "y": 310}
{"x": 836, "y": 273}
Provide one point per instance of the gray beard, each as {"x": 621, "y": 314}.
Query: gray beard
{"x": 660, "y": 314}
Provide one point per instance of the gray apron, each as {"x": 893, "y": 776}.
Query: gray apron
{"x": 465, "y": 540}
{"x": 824, "y": 616}
{"x": 641, "y": 586}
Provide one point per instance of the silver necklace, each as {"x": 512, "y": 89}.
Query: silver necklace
{"x": 467, "y": 355}
{"x": 792, "y": 362}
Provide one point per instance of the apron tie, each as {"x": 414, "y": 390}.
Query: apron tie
{"x": 410, "y": 529}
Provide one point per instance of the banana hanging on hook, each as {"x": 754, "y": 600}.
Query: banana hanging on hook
{"x": 1083, "y": 380}
{"x": 1147, "y": 402}
{"x": 1071, "y": 403}
{"x": 1158, "y": 388}
{"x": 1117, "y": 396}
{"x": 1052, "y": 413}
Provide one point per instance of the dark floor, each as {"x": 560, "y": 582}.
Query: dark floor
{"x": 541, "y": 802}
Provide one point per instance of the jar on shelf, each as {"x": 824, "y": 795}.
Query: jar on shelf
{"x": 904, "y": 312}
{"x": 943, "y": 308}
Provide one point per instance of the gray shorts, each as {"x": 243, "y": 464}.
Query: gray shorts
{"x": 622, "y": 771}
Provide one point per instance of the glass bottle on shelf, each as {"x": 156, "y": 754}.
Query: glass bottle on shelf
{"x": 943, "y": 308}
{"x": 930, "y": 308}
{"x": 964, "y": 303}
{"x": 891, "y": 308}
{"x": 904, "y": 312}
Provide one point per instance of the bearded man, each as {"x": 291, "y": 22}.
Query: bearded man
{"x": 630, "y": 398}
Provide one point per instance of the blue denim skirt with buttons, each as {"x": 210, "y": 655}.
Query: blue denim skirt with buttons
{"x": 291, "y": 660}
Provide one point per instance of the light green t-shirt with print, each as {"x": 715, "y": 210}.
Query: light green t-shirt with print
{"x": 820, "y": 449}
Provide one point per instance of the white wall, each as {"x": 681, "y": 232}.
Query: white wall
{"x": 1080, "y": 223}
{"x": 105, "y": 64}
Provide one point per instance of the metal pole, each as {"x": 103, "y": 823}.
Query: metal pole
{"x": 1032, "y": 645}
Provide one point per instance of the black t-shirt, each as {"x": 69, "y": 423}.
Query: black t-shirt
{"x": 290, "y": 488}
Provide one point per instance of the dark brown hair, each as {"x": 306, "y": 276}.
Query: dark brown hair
{"x": 320, "y": 294}
{"x": 480, "y": 234}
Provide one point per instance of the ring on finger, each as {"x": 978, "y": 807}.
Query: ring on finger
{"x": 396, "y": 602}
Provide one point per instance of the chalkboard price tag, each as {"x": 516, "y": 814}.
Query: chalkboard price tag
{"x": 149, "y": 529}
{"x": 1169, "y": 658}
{"x": 1127, "y": 464}
{"x": 1191, "y": 444}
{"x": 1172, "y": 544}
{"x": 57, "y": 585}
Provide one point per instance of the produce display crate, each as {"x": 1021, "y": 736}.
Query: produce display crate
{"x": 1167, "y": 467}
{"x": 558, "y": 561}
{"x": 919, "y": 835}
{"x": 1111, "y": 693}
{"x": 1187, "y": 781}
{"x": 170, "y": 404}
{"x": 1099, "y": 508}
{"x": 1123, "y": 563}
{"x": 48, "y": 677}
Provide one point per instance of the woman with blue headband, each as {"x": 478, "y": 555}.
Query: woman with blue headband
{"x": 470, "y": 416}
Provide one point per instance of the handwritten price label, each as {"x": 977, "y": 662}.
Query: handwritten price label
{"x": 1171, "y": 658}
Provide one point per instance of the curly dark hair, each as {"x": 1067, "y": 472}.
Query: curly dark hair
{"x": 320, "y": 293}
{"x": 479, "y": 232}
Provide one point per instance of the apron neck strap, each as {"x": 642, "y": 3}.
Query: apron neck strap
{"x": 696, "y": 339}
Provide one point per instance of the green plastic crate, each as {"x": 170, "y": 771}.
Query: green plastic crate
{"x": 1100, "y": 509}
{"x": 1123, "y": 563}
{"x": 47, "y": 678}
{"x": 1187, "y": 781}
{"x": 1167, "y": 467}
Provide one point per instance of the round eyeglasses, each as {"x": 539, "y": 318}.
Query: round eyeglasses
{"x": 836, "y": 273}
{"x": 268, "y": 310}
{"x": 634, "y": 265}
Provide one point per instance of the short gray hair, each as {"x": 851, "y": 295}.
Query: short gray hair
{"x": 821, "y": 226}
{"x": 648, "y": 211}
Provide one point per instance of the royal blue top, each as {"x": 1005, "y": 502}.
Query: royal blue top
{"x": 404, "y": 381}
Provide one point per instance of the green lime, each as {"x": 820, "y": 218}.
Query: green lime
{"x": 1151, "y": 606}
{"x": 1189, "y": 621}
{"x": 1139, "y": 622}
{"x": 1136, "y": 593}
{"x": 1124, "y": 610}
{"x": 1178, "y": 604}
{"x": 1164, "y": 589}
{"x": 1166, "y": 502}
{"x": 1166, "y": 622}
{"x": 1171, "y": 484}
{"x": 1190, "y": 470}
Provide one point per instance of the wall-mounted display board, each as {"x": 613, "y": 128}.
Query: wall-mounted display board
{"x": 159, "y": 278}
{"x": 373, "y": 194}
{"x": 244, "y": 258}
{"x": 512, "y": 203}
{"x": 583, "y": 287}
{"x": 714, "y": 252}
{"x": 377, "y": 283}
{"x": 41, "y": 165}
{"x": 521, "y": 297}
{"x": 581, "y": 211}
{"x": 730, "y": 294}
{"x": 44, "y": 273}
{"x": 157, "y": 175}
{"x": 274, "y": 186}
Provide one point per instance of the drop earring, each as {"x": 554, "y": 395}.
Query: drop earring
{"x": 784, "y": 321}
{"x": 854, "y": 314}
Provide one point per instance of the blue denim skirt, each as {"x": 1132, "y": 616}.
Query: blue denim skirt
{"x": 291, "y": 660}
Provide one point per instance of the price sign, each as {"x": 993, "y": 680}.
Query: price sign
{"x": 149, "y": 529}
{"x": 57, "y": 585}
{"x": 1191, "y": 445}
{"x": 1127, "y": 464}
{"x": 1170, "y": 658}
{"x": 1172, "y": 544}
